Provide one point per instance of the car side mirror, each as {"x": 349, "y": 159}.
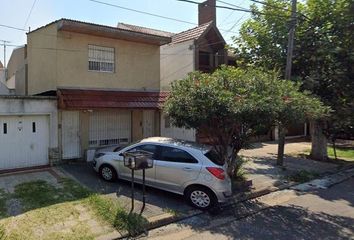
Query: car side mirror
{"x": 120, "y": 154}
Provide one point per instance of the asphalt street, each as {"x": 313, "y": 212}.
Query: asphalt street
{"x": 319, "y": 214}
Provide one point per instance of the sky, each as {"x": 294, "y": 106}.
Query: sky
{"x": 15, "y": 12}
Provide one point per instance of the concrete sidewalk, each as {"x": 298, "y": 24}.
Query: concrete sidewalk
{"x": 266, "y": 176}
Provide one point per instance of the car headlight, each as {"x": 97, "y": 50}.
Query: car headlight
{"x": 98, "y": 155}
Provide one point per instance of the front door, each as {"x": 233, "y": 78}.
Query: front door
{"x": 70, "y": 134}
{"x": 137, "y": 125}
{"x": 148, "y": 123}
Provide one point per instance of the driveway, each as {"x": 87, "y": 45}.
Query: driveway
{"x": 158, "y": 202}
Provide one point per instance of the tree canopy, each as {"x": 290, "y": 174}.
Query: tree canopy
{"x": 323, "y": 59}
{"x": 230, "y": 104}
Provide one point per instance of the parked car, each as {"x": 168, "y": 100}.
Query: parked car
{"x": 181, "y": 167}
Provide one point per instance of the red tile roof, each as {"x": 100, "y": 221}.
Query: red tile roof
{"x": 190, "y": 34}
{"x": 193, "y": 33}
{"x": 91, "y": 99}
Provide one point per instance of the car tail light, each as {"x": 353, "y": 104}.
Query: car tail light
{"x": 219, "y": 173}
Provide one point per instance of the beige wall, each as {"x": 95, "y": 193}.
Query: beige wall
{"x": 60, "y": 59}
{"x": 177, "y": 60}
{"x": 16, "y": 61}
{"x": 16, "y": 71}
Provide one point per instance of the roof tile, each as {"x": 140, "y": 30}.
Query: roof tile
{"x": 91, "y": 99}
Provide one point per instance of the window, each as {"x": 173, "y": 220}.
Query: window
{"x": 100, "y": 59}
{"x": 171, "y": 154}
{"x": 213, "y": 156}
{"x": 33, "y": 127}
{"x": 148, "y": 147}
{"x": 5, "y": 128}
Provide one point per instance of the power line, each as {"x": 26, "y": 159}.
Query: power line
{"x": 11, "y": 27}
{"x": 146, "y": 13}
{"x": 235, "y": 9}
{"x": 142, "y": 12}
{"x": 218, "y": 6}
{"x": 29, "y": 14}
{"x": 230, "y": 4}
{"x": 10, "y": 45}
{"x": 237, "y": 22}
{"x": 279, "y": 8}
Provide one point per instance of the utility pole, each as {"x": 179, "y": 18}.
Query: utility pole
{"x": 4, "y": 42}
{"x": 289, "y": 57}
{"x": 289, "y": 60}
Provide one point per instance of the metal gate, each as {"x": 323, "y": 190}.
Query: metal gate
{"x": 109, "y": 127}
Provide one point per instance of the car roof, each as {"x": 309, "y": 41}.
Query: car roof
{"x": 177, "y": 143}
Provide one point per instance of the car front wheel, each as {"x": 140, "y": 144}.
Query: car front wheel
{"x": 200, "y": 197}
{"x": 108, "y": 173}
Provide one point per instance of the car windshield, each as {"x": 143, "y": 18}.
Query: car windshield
{"x": 213, "y": 156}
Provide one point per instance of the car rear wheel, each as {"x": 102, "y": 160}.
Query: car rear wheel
{"x": 200, "y": 197}
{"x": 108, "y": 173}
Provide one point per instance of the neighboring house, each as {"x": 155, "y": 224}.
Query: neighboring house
{"x": 3, "y": 88}
{"x": 106, "y": 80}
{"x": 16, "y": 68}
{"x": 201, "y": 48}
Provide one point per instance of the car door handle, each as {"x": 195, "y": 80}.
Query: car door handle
{"x": 187, "y": 169}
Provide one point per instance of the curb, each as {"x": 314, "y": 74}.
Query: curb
{"x": 243, "y": 197}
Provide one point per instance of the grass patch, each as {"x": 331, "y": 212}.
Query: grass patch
{"x": 56, "y": 222}
{"x": 302, "y": 176}
{"x": 2, "y": 232}
{"x": 40, "y": 193}
{"x": 110, "y": 211}
{"x": 346, "y": 153}
{"x": 3, "y": 198}
{"x": 171, "y": 211}
{"x": 57, "y": 212}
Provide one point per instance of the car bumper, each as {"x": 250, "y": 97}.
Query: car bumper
{"x": 95, "y": 165}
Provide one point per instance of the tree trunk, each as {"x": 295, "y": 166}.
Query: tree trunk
{"x": 334, "y": 149}
{"x": 319, "y": 141}
{"x": 281, "y": 145}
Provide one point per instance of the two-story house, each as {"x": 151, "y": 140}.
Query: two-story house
{"x": 201, "y": 48}
{"x": 106, "y": 79}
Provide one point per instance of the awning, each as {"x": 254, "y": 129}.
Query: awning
{"x": 78, "y": 99}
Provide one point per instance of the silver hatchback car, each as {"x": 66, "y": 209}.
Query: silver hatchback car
{"x": 180, "y": 167}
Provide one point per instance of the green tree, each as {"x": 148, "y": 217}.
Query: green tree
{"x": 323, "y": 55}
{"x": 229, "y": 105}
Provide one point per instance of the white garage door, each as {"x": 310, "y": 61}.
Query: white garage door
{"x": 24, "y": 141}
{"x": 109, "y": 127}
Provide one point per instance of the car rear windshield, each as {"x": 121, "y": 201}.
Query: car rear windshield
{"x": 213, "y": 156}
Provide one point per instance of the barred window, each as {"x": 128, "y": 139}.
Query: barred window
{"x": 100, "y": 59}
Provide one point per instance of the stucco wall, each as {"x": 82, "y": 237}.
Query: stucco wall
{"x": 16, "y": 61}
{"x": 60, "y": 59}
{"x": 177, "y": 60}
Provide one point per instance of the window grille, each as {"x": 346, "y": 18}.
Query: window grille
{"x": 100, "y": 59}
